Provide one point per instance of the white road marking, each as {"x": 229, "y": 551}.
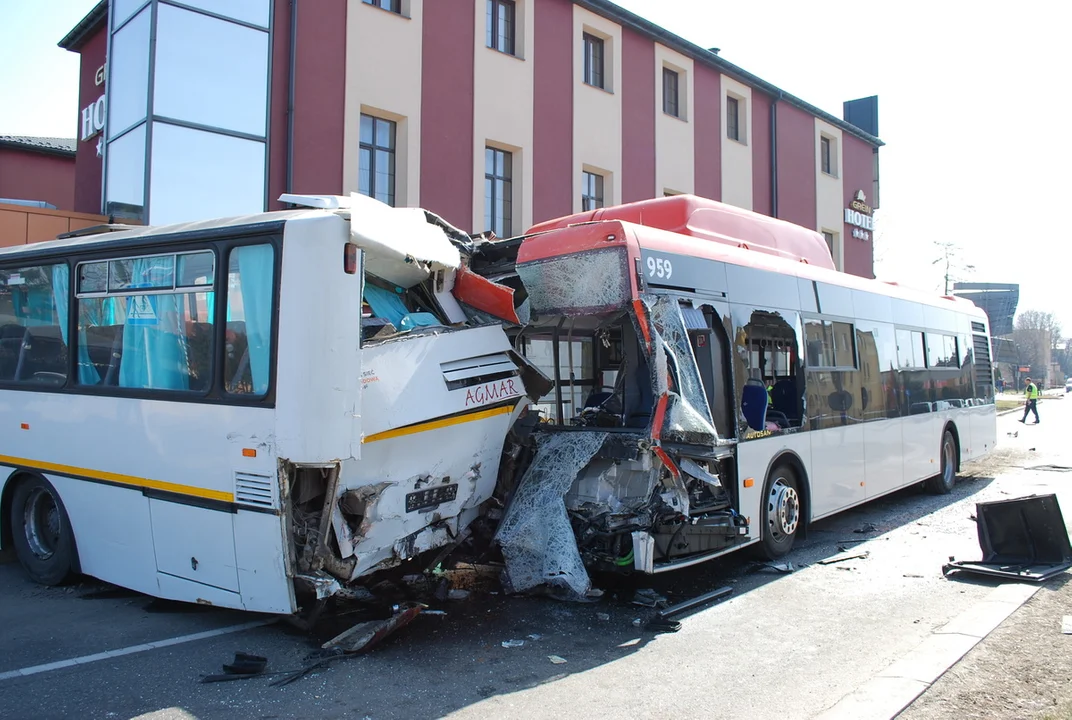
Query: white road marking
{"x": 109, "y": 654}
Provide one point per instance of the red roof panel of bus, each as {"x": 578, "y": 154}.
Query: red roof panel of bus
{"x": 710, "y": 220}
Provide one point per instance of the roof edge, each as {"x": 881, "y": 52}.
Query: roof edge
{"x": 74, "y": 40}
{"x": 44, "y": 149}
{"x": 624, "y": 17}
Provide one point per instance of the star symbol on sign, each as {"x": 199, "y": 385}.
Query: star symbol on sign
{"x": 100, "y": 147}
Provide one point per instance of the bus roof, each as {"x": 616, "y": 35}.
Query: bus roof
{"x": 712, "y": 221}
{"x": 164, "y": 233}
{"x": 567, "y": 239}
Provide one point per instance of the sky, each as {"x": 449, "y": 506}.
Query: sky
{"x": 972, "y": 108}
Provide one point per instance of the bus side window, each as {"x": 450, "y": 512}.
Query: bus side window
{"x": 33, "y": 324}
{"x": 247, "y": 348}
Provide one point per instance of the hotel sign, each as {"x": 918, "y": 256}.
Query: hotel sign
{"x": 859, "y": 215}
{"x": 94, "y": 113}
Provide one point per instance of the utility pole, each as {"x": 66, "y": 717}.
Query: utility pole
{"x": 949, "y": 255}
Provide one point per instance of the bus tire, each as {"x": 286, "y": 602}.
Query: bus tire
{"x": 946, "y": 479}
{"x": 41, "y": 532}
{"x": 781, "y": 511}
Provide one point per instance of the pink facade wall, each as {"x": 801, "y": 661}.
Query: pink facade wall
{"x": 796, "y": 166}
{"x": 707, "y": 119}
{"x": 319, "y": 94}
{"x": 277, "y": 112}
{"x": 447, "y": 110}
{"x": 552, "y": 140}
{"x": 857, "y": 166}
{"x": 638, "y": 117}
{"x": 37, "y": 176}
{"x": 89, "y": 168}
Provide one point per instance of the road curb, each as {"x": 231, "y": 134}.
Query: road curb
{"x": 896, "y": 687}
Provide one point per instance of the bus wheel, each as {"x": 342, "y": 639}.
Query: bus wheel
{"x": 44, "y": 541}
{"x": 781, "y": 512}
{"x": 943, "y": 482}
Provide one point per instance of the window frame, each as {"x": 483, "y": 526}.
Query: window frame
{"x": 828, "y": 326}
{"x": 493, "y": 22}
{"x": 395, "y": 5}
{"x": 372, "y": 149}
{"x": 826, "y": 155}
{"x": 672, "y": 98}
{"x": 508, "y": 195}
{"x": 594, "y": 77}
{"x": 733, "y": 110}
{"x": 221, "y": 241}
{"x": 598, "y": 186}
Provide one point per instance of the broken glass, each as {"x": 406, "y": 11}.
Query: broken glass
{"x": 581, "y": 284}
{"x": 535, "y": 535}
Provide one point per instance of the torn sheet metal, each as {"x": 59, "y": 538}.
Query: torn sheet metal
{"x": 490, "y": 297}
{"x": 535, "y": 535}
{"x": 366, "y": 635}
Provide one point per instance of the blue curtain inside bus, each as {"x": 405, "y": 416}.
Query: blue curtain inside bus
{"x": 386, "y": 304}
{"x": 61, "y": 276}
{"x": 154, "y": 337}
{"x": 255, "y": 266}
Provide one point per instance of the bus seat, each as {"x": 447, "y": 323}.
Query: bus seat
{"x": 784, "y": 399}
{"x": 43, "y": 351}
{"x": 754, "y": 405}
{"x": 199, "y": 354}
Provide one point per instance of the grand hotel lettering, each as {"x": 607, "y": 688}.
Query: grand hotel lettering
{"x": 858, "y": 214}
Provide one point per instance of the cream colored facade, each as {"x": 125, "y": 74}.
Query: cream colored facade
{"x": 737, "y": 154}
{"x": 372, "y": 37}
{"x": 675, "y": 140}
{"x": 503, "y": 98}
{"x": 597, "y": 112}
{"x": 829, "y": 189}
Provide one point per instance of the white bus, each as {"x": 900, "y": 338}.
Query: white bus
{"x": 718, "y": 384}
{"x": 209, "y": 412}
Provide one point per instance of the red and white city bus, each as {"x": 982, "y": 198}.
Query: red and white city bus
{"x": 719, "y": 384}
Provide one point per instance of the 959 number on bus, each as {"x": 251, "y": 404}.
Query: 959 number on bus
{"x": 660, "y": 268}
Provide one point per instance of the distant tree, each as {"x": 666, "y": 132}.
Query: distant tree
{"x": 1035, "y": 336}
{"x": 1063, "y": 357}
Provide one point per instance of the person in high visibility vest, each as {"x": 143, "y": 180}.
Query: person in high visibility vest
{"x": 1031, "y": 405}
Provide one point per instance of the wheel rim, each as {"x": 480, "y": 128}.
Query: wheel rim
{"x": 41, "y": 522}
{"x": 783, "y": 510}
{"x": 949, "y": 461}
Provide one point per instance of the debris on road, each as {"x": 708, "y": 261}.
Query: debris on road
{"x": 1066, "y": 625}
{"x": 1021, "y": 539}
{"x": 648, "y": 598}
{"x": 243, "y": 667}
{"x": 843, "y": 558}
{"x": 535, "y": 636}
{"x": 512, "y": 643}
{"x": 783, "y": 568}
{"x": 366, "y": 635}
{"x": 557, "y": 660}
{"x": 603, "y": 616}
{"x": 912, "y": 575}
{"x": 866, "y": 528}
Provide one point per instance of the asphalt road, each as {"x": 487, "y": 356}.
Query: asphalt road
{"x": 782, "y": 646}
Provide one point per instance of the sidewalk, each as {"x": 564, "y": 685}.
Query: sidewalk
{"x": 1021, "y": 670}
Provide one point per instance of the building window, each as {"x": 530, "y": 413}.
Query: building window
{"x": 732, "y": 115}
{"x": 831, "y": 239}
{"x": 377, "y": 167}
{"x": 593, "y": 61}
{"x": 500, "y": 25}
{"x": 828, "y": 155}
{"x": 591, "y": 191}
{"x": 394, "y": 6}
{"x": 498, "y": 191}
{"x": 671, "y": 106}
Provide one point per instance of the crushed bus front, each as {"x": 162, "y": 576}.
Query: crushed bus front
{"x": 627, "y": 469}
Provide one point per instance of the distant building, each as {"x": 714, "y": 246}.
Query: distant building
{"x": 495, "y": 114}
{"x": 37, "y": 171}
{"x": 998, "y": 301}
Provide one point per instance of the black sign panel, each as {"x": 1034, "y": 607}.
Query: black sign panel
{"x": 430, "y": 497}
{"x": 665, "y": 269}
